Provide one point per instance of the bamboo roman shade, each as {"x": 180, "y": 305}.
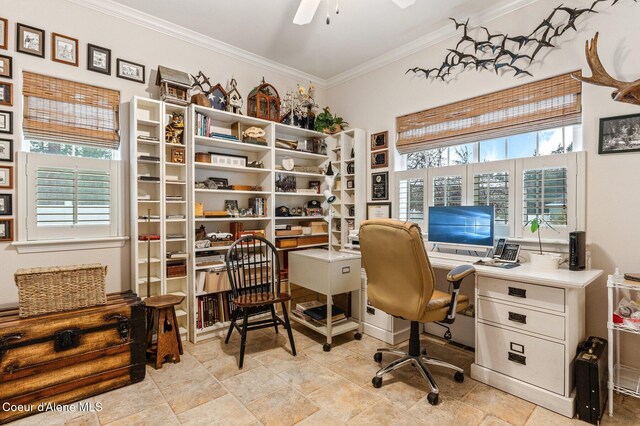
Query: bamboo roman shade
{"x": 540, "y": 105}
{"x": 65, "y": 111}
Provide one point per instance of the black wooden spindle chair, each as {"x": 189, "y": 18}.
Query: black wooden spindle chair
{"x": 254, "y": 273}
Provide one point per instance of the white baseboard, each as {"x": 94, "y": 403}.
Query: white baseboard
{"x": 387, "y": 336}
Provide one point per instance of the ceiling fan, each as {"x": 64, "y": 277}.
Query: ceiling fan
{"x": 307, "y": 10}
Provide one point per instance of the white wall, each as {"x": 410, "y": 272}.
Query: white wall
{"x": 128, "y": 41}
{"x": 372, "y": 102}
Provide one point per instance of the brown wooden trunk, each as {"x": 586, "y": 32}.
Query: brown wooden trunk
{"x": 68, "y": 356}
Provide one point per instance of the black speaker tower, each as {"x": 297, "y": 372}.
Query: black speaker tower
{"x": 577, "y": 250}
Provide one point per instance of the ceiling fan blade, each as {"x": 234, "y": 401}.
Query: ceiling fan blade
{"x": 403, "y": 4}
{"x": 305, "y": 12}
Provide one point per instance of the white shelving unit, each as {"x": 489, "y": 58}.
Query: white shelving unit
{"x": 622, "y": 379}
{"x": 148, "y": 120}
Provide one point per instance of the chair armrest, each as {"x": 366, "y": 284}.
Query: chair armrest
{"x": 455, "y": 277}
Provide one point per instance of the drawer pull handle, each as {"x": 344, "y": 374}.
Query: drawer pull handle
{"x": 522, "y": 319}
{"x": 346, "y": 269}
{"x": 518, "y": 292}
{"x": 519, "y": 359}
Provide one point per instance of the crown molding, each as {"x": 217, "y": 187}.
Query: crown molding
{"x": 425, "y": 41}
{"x": 118, "y": 10}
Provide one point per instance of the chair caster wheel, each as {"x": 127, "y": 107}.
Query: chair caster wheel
{"x": 326, "y": 347}
{"x": 357, "y": 336}
{"x": 447, "y": 335}
{"x": 432, "y": 398}
{"x": 423, "y": 352}
{"x": 377, "y": 381}
{"x": 458, "y": 377}
{"x": 377, "y": 357}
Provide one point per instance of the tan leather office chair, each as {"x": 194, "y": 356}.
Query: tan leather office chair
{"x": 401, "y": 282}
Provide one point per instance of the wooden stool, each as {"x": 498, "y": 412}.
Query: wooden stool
{"x": 161, "y": 315}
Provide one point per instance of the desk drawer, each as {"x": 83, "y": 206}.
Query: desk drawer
{"x": 535, "y": 361}
{"x": 522, "y": 293}
{"x": 521, "y": 318}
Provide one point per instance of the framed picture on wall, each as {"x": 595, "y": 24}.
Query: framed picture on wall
{"x": 378, "y": 211}
{"x": 379, "y": 159}
{"x": 6, "y": 122}
{"x": 4, "y": 33}
{"x": 6, "y": 230}
{"x": 30, "y": 40}
{"x": 380, "y": 186}
{"x": 6, "y": 177}
{"x": 6, "y": 207}
{"x": 64, "y": 49}
{"x": 6, "y": 66}
{"x": 6, "y": 150}
{"x": 380, "y": 141}
{"x": 98, "y": 59}
{"x": 130, "y": 71}
{"x": 6, "y": 93}
{"x": 619, "y": 134}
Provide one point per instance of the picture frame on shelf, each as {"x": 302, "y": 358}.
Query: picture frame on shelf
{"x": 6, "y": 150}
{"x": 30, "y": 40}
{"x": 6, "y": 66}
{"x": 352, "y": 211}
{"x": 619, "y": 134}
{"x": 351, "y": 168}
{"x": 228, "y": 160}
{"x": 379, "y": 211}
{"x": 6, "y": 204}
{"x": 6, "y": 230}
{"x": 6, "y": 177}
{"x": 6, "y": 122}
{"x": 380, "y": 186}
{"x": 6, "y": 93}
{"x": 231, "y": 206}
{"x": 98, "y": 59}
{"x": 315, "y": 184}
{"x": 177, "y": 155}
{"x": 380, "y": 159}
{"x": 64, "y": 49}
{"x": 128, "y": 70}
{"x": 380, "y": 141}
{"x": 4, "y": 33}
{"x": 350, "y": 184}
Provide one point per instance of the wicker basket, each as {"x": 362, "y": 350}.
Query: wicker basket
{"x": 57, "y": 289}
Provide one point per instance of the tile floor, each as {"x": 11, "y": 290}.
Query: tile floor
{"x": 314, "y": 388}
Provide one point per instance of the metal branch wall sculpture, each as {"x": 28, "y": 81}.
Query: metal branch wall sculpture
{"x": 503, "y": 53}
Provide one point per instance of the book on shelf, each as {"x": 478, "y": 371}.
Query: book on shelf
{"x": 149, "y": 178}
{"x": 152, "y": 158}
{"x": 303, "y": 306}
{"x": 319, "y": 314}
{"x": 174, "y": 198}
{"x": 259, "y": 206}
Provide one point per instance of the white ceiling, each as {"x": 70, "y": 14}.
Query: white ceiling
{"x": 363, "y": 31}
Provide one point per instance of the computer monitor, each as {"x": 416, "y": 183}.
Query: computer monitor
{"x": 462, "y": 225}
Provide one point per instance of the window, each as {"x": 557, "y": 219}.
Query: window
{"x": 545, "y": 195}
{"x": 492, "y": 189}
{"x": 70, "y": 150}
{"x": 447, "y": 191}
{"x": 74, "y": 200}
{"x": 411, "y": 194}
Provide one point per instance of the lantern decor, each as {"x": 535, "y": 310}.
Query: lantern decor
{"x": 264, "y": 102}
{"x": 174, "y": 85}
{"x": 234, "y": 100}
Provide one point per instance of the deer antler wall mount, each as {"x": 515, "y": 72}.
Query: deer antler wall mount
{"x": 626, "y": 91}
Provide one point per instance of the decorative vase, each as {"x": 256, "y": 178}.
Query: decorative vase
{"x": 311, "y": 120}
{"x": 544, "y": 261}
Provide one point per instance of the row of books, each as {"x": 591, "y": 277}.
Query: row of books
{"x": 204, "y": 127}
{"x": 212, "y": 308}
{"x": 259, "y": 206}
{"x": 316, "y": 312}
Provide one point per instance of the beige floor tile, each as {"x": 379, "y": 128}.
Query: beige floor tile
{"x": 253, "y": 384}
{"x": 308, "y": 377}
{"x": 356, "y": 368}
{"x": 335, "y": 355}
{"x": 343, "y": 399}
{"x": 494, "y": 421}
{"x": 626, "y": 411}
{"x": 226, "y": 366}
{"x": 365, "y": 347}
{"x": 83, "y": 412}
{"x": 159, "y": 415}
{"x": 449, "y": 411}
{"x": 542, "y": 416}
{"x": 279, "y": 360}
{"x": 192, "y": 390}
{"x": 128, "y": 400}
{"x": 225, "y": 410}
{"x": 321, "y": 418}
{"x": 170, "y": 372}
{"x": 385, "y": 414}
{"x": 499, "y": 404}
{"x": 402, "y": 387}
{"x": 283, "y": 407}
{"x": 210, "y": 349}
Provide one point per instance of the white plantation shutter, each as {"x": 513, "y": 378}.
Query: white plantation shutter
{"x": 447, "y": 191}
{"x": 411, "y": 200}
{"x": 492, "y": 189}
{"x": 72, "y": 200}
{"x": 545, "y": 193}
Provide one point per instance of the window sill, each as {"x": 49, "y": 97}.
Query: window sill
{"x": 69, "y": 245}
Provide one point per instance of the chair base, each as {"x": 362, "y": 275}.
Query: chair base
{"x": 418, "y": 360}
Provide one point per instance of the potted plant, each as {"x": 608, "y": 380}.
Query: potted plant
{"x": 329, "y": 123}
{"x": 542, "y": 260}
